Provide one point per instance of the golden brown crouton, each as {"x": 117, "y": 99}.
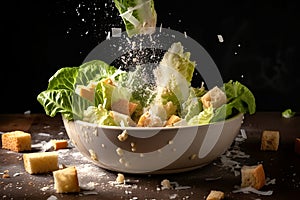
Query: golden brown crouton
{"x": 173, "y": 119}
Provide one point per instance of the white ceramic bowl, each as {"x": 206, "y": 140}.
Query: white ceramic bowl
{"x": 153, "y": 150}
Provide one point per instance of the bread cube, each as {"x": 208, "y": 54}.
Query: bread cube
{"x": 215, "y": 195}
{"x": 66, "y": 180}
{"x": 59, "y": 144}
{"x": 270, "y": 140}
{"x": 37, "y": 163}
{"x": 17, "y": 141}
{"x": 173, "y": 119}
{"x": 253, "y": 176}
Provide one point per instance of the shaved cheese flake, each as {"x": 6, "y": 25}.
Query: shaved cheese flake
{"x": 270, "y": 181}
{"x": 44, "y": 134}
{"x": 182, "y": 187}
{"x": 173, "y": 196}
{"x": 131, "y": 9}
{"x": 247, "y": 190}
{"x": 108, "y": 35}
{"x": 52, "y": 197}
{"x": 213, "y": 178}
{"x": 220, "y": 37}
{"x": 116, "y": 32}
{"x": 89, "y": 193}
{"x": 185, "y": 35}
{"x": 243, "y": 133}
{"x": 88, "y": 186}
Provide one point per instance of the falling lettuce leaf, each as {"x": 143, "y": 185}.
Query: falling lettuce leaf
{"x": 139, "y": 16}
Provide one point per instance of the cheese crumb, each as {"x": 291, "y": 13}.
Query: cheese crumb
{"x": 220, "y": 38}
{"x": 119, "y": 151}
{"x": 123, "y": 136}
{"x": 116, "y": 32}
{"x": 120, "y": 178}
{"x": 93, "y": 154}
{"x": 166, "y": 184}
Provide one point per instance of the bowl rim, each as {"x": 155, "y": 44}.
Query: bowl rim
{"x": 155, "y": 128}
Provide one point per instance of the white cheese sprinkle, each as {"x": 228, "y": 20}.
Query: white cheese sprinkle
{"x": 247, "y": 190}
{"x": 220, "y": 37}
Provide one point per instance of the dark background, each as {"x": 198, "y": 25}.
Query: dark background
{"x": 260, "y": 48}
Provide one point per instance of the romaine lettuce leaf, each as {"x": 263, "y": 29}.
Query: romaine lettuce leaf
{"x": 60, "y": 96}
{"x": 98, "y": 115}
{"x": 94, "y": 71}
{"x": 61, "y": 101}
{"x": 103, "y": 94}
{"x": 64, "y": 78}
{"x": 239, "y": 99}
{"x": 139, "y": 16}
{"x": 179, "y": 60}
{"x": 204, "y": 117}
{"x": 288, "y": 113}
{"x": 178, "y": 67}
{"x": 192, "y": 106}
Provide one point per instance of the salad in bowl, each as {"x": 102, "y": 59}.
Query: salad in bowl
{"x": 147, "y": 121}
{"x": 99, "y": 93}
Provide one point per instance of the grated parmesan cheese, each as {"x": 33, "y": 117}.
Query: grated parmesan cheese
{"x": 220, "y": 37}
{"x": 247, "y": 190}
{"x": 116, "y": 32}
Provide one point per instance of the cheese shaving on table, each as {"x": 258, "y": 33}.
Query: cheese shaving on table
{"x": 247, "y": 190}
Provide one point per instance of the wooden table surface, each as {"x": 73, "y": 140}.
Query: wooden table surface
{"x": 282, "y": 167}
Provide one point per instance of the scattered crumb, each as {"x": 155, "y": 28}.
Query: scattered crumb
{"x": 119, "y": 151}
{"x": 52, "y": 197}
{"x": 220, "y": 38}
{"x": 165, "y": 184}
{"x": 93, "y": 155}
{"x": 120, "y": 178}
{"x": 123, "y": 136}
{"x": 59, "y": 144}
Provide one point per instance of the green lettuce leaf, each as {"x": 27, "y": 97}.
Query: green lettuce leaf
{"x": 64, "y": 78}
{"x": 204, "y": 117}
{"x": 61, "y": 101}
{"x": 239, "y": 99}
{"x": 192, "y": 106}
{"x": 179, "y": 60}
{"x": 98, "y": 115}
{"x": 139, "y": 16}
{"x": 94, "y": 71}
{"x": 60, "y": 96}
{"x": 179, "y": 68}
{"x": 103, "y": 94}
{"x": 288, "y": 113}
